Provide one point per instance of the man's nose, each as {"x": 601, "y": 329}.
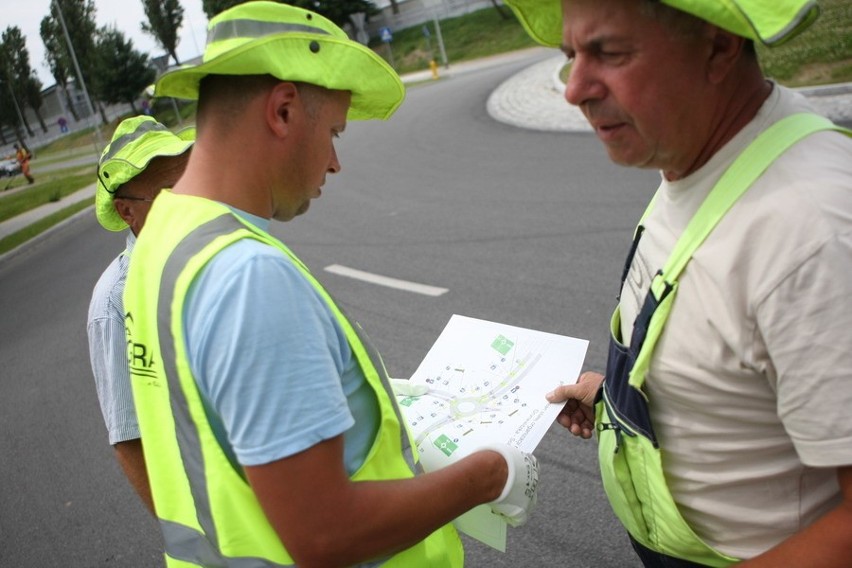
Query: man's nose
{"x": 334, "y": 165}
{"x": 582, "y": 85}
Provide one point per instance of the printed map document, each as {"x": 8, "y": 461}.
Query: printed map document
{"x": 487, "y": 383}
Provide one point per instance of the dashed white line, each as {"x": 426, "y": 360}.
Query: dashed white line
{"x": 386, "y": 280}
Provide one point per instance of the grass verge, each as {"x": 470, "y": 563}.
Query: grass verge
{"x": 467, "y": 37}
{"x": 58, "y": 185}
{"x": 822, "y": 54}
{"x": 79, "y": 141}
{"x": 59, "y": 157}
{"x": 22, "y": 236}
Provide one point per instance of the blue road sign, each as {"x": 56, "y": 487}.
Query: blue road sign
{"x": 386, "y": 34}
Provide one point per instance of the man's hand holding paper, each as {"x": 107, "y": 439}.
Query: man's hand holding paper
{"x": 519, "y": 496}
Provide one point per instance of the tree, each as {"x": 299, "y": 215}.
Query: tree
{"x": 504, "y": 14}
{"x": 213, "y": 7}
{"x": 79, "y": 17}
{"x": 16, "y": 68}
{"x": 32, "y": 94}
{"x": 9, "y": 115}
{"x": 164, "y": 20}
{"x": 122, "y": 72}
{"x": 338, "y": 11}
{"x": 53, "y": 55}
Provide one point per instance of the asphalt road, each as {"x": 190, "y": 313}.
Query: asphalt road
{"x": 522, "y": 227}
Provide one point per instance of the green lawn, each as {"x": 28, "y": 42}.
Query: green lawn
{"x": 51, "y": 187}
{"x": 467, "y": 37}
{"x": 820, "y": 55}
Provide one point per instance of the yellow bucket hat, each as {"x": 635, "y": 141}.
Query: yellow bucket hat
{"x": 135, "y": 142}
{"x": 770, "y": 22}
{"x": 291, "y": 44}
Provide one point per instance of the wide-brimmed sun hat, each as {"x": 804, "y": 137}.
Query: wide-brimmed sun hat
{"x": 770, "y": 22}
{"x": 135, "y": 142}
{"x": 291, "y": 44}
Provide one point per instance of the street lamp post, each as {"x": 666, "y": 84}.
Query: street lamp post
{"x": 433, "y": 4}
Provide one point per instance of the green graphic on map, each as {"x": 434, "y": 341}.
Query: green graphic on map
{"x": 502, "y": 344}
{"x": 445, "y": 444}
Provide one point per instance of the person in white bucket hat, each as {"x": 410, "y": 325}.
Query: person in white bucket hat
{"x": 722, "y": 420}
{"x": 142, "y": 158}
{"x": 271, "y": 435}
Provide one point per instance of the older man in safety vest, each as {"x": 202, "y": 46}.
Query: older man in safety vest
{"x": 723, "y": 420}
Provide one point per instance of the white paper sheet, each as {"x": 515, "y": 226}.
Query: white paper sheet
{"x": 487, "y": 383}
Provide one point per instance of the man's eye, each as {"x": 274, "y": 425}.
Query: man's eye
{"x": 612, "y": 56}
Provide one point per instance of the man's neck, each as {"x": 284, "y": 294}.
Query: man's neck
{"x": 225, "y": 174}
{"x": 737, "y": 107}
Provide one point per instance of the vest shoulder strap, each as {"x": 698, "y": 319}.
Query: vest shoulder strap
{"x": 737, "y": 179}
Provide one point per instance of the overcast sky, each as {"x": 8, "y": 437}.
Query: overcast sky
{"x": 126, "y": 15}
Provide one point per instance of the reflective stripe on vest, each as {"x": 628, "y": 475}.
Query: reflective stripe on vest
{"x": 629, "y": 457}
{"x": 208, "y": 513}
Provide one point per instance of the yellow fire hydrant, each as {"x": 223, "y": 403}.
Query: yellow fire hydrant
{"x": 434, "y": 68}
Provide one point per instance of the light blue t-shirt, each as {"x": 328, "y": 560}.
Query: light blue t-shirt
{"x": 272, "y": 361}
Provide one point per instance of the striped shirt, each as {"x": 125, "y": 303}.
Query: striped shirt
{"x": 108, "y": 349}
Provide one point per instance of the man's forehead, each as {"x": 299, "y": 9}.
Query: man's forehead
{"x": 604, "y": 21}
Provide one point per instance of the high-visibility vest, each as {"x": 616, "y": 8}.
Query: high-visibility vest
{"x": 207, "y": 511}
{"x": 628, "y": 452}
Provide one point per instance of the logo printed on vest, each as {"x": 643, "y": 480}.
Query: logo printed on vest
{"x": 140, "y": 359}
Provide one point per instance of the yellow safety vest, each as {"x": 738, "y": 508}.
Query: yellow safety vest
{"x": 207, "y": 511}
{"x": 628, "y": 452}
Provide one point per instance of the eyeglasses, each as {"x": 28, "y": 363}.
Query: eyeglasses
{"x": 146, "y": 199}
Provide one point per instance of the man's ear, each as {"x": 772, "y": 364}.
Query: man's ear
{"x": 124, "y": 210}
{"x": 726, "y": 50}
{"x": 280, "y": 104}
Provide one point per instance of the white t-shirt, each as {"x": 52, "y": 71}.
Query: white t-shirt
{"x": 750, "y": 385}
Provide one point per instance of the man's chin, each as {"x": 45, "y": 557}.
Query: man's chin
{"x": 620, "y": 157}
{"x": 289, "y": 215}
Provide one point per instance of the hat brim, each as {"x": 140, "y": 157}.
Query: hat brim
{"x": 150, "y": 148}
{"x": 326, "y": 61}
{"x": 770, "y": 25}
{"x": 542, "y": 19}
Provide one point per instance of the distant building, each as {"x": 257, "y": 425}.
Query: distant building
{"x": 56, "y": 104}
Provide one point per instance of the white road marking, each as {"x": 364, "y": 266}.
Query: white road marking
{"x": 386, "y": 280}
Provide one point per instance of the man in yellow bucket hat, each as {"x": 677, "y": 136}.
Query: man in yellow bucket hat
{"x": 722, "y": 420}
{"x": 142, "y": 157}
{"x": 271, "y": 435}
